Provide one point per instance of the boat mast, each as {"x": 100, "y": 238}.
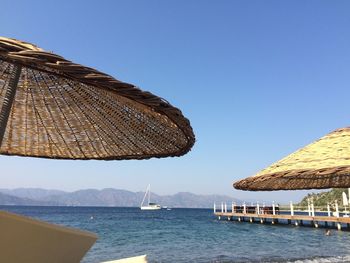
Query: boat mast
{"x": 149, "y": 193}
{"x": 144, "y": 197}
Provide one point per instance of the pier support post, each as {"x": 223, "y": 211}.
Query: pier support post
{"x": 289, "y": 221}
{"x": 339, "y": 226}
{"x": 301, "y": 222}
{"x": 326, "y": 224}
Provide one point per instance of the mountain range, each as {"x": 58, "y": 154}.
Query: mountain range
{"x": 105, "y": 197}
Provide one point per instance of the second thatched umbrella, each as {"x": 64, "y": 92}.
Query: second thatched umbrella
{"x": 54, "y": 108}
{"x": 322, "y": 164}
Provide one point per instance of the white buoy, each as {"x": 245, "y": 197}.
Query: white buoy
{"x": 273, "y": 208}
{"x": 261, "y": 221}
{"x": 296, "y": 223}
{"x": 291, "y": 209}
{"x": 339, "y": 226}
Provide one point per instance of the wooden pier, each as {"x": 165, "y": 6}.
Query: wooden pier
{"x": 272, "y": 215}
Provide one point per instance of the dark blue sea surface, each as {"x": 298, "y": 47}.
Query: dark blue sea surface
{"x": 192, "y": 235}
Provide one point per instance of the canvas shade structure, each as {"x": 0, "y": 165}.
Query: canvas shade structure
{"x": 322, "y": 164}
{"x": 54, "y": 108}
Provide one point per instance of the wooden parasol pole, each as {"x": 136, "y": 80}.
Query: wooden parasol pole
{"x": 8, "y": 99}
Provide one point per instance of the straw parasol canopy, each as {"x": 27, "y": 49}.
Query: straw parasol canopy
{"x": 324, "y": 163}
{"x": 54, "y": 108}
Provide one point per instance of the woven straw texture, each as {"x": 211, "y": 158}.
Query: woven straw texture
{"x": 65, "y": 110}
{"x": 322, "y": 164}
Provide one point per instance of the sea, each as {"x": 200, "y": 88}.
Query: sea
{"x": 192, "y": 235}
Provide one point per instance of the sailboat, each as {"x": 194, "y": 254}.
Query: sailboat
{"x": 149, "y": 206}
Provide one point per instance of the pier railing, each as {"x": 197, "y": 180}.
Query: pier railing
{"x": 276, "y": 212}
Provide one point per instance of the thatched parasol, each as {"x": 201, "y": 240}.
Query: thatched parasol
{"x": 322, "y": 164}
{"x": 54, "y": 108}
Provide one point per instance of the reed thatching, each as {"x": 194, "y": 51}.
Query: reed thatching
{"x": 68, "y": 111}
{"x": 322, "y": 164}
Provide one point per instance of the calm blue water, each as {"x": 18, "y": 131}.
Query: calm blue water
{"x": 192, "y": 235}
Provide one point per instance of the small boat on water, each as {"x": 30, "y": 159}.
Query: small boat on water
{"x": 149, "y": 206}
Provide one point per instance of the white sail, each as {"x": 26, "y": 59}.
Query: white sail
{"x": 149, "y": 206}
{"x": 144, "y": 197}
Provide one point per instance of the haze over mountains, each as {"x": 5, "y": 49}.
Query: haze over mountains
{"x": 105, "y": 197}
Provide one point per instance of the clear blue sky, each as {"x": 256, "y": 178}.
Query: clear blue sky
{"x": 257, "y": 79}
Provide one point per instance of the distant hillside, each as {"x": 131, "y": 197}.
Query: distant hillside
{"x": 93, "y": 197}
{"x": 14, "y": 200}
{"x": 321, "y": 199}
{"x": 106, "y": 197}
{"x": 31, "y": 193}
{"x": 185, "y": 199}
